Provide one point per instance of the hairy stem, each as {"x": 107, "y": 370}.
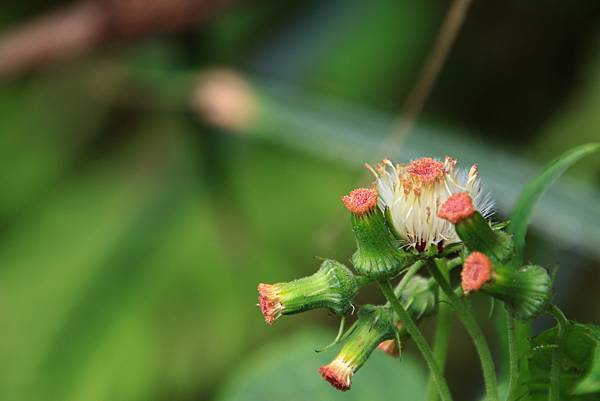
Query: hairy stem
{"x": 513, "y": 359}
{"x": 442, "y": 332}
{"x": 410, "y": 273}
{"x": 561, "y": 320}
{"x": 465, "y": 315}
{"x": 417, "y": 336}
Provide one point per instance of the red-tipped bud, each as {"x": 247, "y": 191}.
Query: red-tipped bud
{"x": 477, "y": 270}
{"x": 374, "y": 325}
{"x": 333, "y": 287}
{"x": 361, "y": 200}
{"x": 525, "y": 291}
{"x": 390, "y": 347}
{"x": 338, "y": 373}
{"x": 378, "y": 255}
{"x": 473, "y": 229}
{"x": 269, "y": 302}
{"x": 457, "y": 208}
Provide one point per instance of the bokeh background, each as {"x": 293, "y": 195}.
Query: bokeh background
{"x": 160, "y": 158}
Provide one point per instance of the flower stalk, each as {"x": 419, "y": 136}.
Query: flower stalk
{"x": 442, "y": 331}
{"x": 465, "y": 315}
{"x": 412, "y": 329}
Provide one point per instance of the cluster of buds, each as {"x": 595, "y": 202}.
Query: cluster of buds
{"x": 412, "y": 213}
{"x": 526, "y": 291}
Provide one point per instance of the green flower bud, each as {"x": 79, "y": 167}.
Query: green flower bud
{"x": 375, "y": 324}
{"x": 333, "y": 286}
{"x": 525, "y": 291}
{"x": 419, "y": 297}
{"x": 378, "y": 255}
{"x": 474, "y": 231}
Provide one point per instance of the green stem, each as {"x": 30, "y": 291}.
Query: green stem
{"x": 442, "y": 335}
{"x": 465, "y": 315}
{"x": 452, "y": 263}
{"x": 417, "y": 336}
{"x": 410, "y": 273}
{"x": 513, "y": 360}
{"x": 561, "y": 320}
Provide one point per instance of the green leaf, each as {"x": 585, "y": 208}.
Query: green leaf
{"x": 287, "y": 370}
{"x": 534, "y": 191}
{"x": 580, "y": 367}
{"x": 591, "y": 381}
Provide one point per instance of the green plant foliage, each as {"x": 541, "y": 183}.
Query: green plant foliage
{"x": 532, "y": 193}
{"x": 287, "y": 370}
{"x": 579, "y": 366}
{"x": 591, "y": 380}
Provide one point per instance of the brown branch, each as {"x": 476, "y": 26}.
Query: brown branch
{"x": 61, "y": 35}
{"x": 453, "y": 21}
{"x": 84, "y": 26}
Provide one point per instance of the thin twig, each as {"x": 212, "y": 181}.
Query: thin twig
{"x": 434, "y": 63}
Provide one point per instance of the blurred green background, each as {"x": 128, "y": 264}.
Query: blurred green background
{"x": 134, "y": 227}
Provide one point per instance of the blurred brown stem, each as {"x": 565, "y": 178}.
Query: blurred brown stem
{"x": 81, "y": 27}
{"x": 428, "y": 75}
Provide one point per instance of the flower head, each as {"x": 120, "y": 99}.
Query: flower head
{"x": 413, "y": 194}
{"x": 457, "y": 207}
{"x": 477, "y": 270}
{"x": 361, "y": 200}
{"x": 338, "y": 373}
{"x": 269, "y": 302}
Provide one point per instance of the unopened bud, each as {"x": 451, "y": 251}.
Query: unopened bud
{"x": 474, "y": 231}
{"x": 333, "y": 287}
{"x": 374, "y": 325}
{"x": 393, "y": 347}
{"x": 419, "y": 297}
{"x": 525, "y": 291}
{"x": 378, "y": 255}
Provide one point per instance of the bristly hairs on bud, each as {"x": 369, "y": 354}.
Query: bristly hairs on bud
{"x": 378, "y": 255}
{"x": 333, "y": 287}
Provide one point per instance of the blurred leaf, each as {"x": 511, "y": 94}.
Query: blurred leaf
{"x": 576, "y": 123}
{"x": 105, "y": 278}
{"x": 591, "y": 379}
{"x": 530, "y": 196}
{"x": 287, "y": 370}
{"x": 579, "y": 366}
{"x": 39, "y": 138}
{"x": 351, "y": 135}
